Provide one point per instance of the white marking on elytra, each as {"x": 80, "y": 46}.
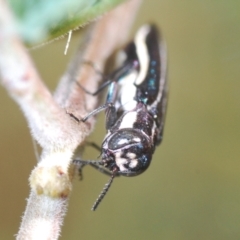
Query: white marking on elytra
{"x": 128, "y": 106}
{"x": 142, "y": 52}
{"x": 128, "y": 120}
{"x": 128, "y": 91}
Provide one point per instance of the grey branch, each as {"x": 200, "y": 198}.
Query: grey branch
{"x": 56, "y": 132}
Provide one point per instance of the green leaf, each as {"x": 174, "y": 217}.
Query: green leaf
{"x": 42, "y": 20}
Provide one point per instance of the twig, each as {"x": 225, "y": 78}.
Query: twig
{"x": 54, "y": 130}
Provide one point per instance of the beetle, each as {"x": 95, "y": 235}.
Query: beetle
{"x": 135, "y": 108}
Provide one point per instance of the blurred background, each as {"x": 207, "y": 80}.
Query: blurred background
{"x": 192, "y": 188}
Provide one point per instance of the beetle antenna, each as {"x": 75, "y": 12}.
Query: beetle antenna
{"x": 104, "y": 192}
